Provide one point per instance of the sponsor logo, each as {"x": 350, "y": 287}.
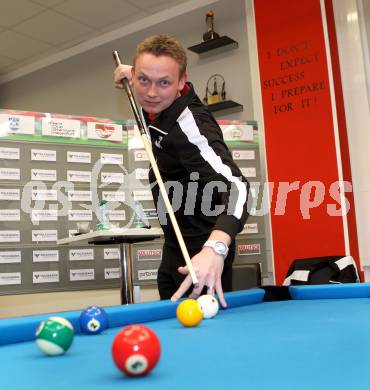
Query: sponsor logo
{"x": 140, "y": 155}
{"x": 244, "y": 154}
{"x": 112, "y": 273}
{"x": 7, "y": 257}
{"x": 9, "y": 194}
{"x": 82, "y": 176}
{"x": 250, "y": 228}
{"x": 14, "y": 123}
{"x": 249, "y": 249}
{"x": 45, "y": 277}
{"x": 44, "y": 215}
{"x": 150, "y": 213}
{"x": 81, "y": 274}
{"x": 81, "y": 254}
{"x": 117, "y": 215}
{"x": 43, "y": 155}
{"x": 111, "y": 254}
{"x": 111, "y": 158}
{"x": 158, "y": 141}
{"x": 44, "y": 174}
{"x": 79, "y": 196}
{"x": 80, "y": 215}
{"x": 110, "y": 196}
{"x": 104, "y": 130}
{"x": 10, "y": 173}
{"x": 44, "y": 235}
{"x": 9, "y": 153}
{"x": 149, "y": 254}
{"x": 44, "y": 195}
{"x": 236, "y": 131}
{"x": 147, "y": 274}
{"x": 10, "y": 236}
{"x": 142, "y": 173}
{"x": 112, "y": 177}
{"x": 45, "y": 256}
{"x": 10, "y": 215}
{"x": 143, "y": 195}
{"x": 7, "y": 278}
{"x": 55, "y": 127}
{"x": 249, "y": 172}
{"x": 80, "y": 157}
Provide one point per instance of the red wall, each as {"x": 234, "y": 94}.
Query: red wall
{"x": 299, "y": 130}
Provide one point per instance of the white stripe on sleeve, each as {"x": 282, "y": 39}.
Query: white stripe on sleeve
{"x": 188, "y": 125}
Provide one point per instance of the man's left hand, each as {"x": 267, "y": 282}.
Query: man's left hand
{"x": 208, "y": 267}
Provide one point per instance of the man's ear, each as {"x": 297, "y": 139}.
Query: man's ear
{"x": 182, "y": 81}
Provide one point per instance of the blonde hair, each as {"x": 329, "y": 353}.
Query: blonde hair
{"x": 163, "y": 45}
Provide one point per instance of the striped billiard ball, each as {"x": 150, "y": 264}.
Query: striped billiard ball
{"x": 54, "y": 336}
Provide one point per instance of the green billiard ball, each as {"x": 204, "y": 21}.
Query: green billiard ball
{"x": 54, "y": 336}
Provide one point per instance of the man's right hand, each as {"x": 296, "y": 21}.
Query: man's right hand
{"x": 120, "y": 73}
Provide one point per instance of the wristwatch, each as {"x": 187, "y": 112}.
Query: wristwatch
{"x": 218, "y": 246}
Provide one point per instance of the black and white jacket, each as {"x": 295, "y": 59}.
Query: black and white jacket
{"x": 205, "y": 186}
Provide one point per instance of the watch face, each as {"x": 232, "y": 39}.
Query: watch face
{"x": 220, "y": 248}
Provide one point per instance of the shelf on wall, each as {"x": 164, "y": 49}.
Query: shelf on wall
{"x": 225, "y": 105}
{"x": 213, "y": 44}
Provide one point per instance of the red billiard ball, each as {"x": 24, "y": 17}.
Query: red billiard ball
{"x": 136, "y": 350}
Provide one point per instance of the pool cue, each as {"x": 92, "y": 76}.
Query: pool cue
{"x": 144, "y": 132}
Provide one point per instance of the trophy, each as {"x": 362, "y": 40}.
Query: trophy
{"x": 218, "y": 94}
{"x": 210, "y": 34}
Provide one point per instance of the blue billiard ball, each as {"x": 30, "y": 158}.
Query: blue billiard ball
{"x": 93, "y": 320}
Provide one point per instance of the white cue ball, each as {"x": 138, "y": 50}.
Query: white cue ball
{"x": 209, "y": 305}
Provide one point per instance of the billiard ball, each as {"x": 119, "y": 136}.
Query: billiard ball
{"x": 54, "y": 336}
{"x": 188, "y": 312}
{"x": 209, "y": 305}
{"x": 136, "y": 350}
{"x": 93, "y": 320}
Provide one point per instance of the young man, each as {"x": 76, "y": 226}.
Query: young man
{"x": 208, "y": 188}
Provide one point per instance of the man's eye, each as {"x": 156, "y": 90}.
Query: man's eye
{"x": 164, "y": 83}
{"x": 142, "y": 79}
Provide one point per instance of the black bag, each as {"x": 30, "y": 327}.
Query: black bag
{"x": 322, "y": 270}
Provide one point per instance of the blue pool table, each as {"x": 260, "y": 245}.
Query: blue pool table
{"x": 318, "y": 340}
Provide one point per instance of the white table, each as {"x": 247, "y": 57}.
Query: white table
{"x": 124, "y": 237}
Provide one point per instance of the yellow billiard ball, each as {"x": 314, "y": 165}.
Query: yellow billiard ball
{"x": 189, "y": 313}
